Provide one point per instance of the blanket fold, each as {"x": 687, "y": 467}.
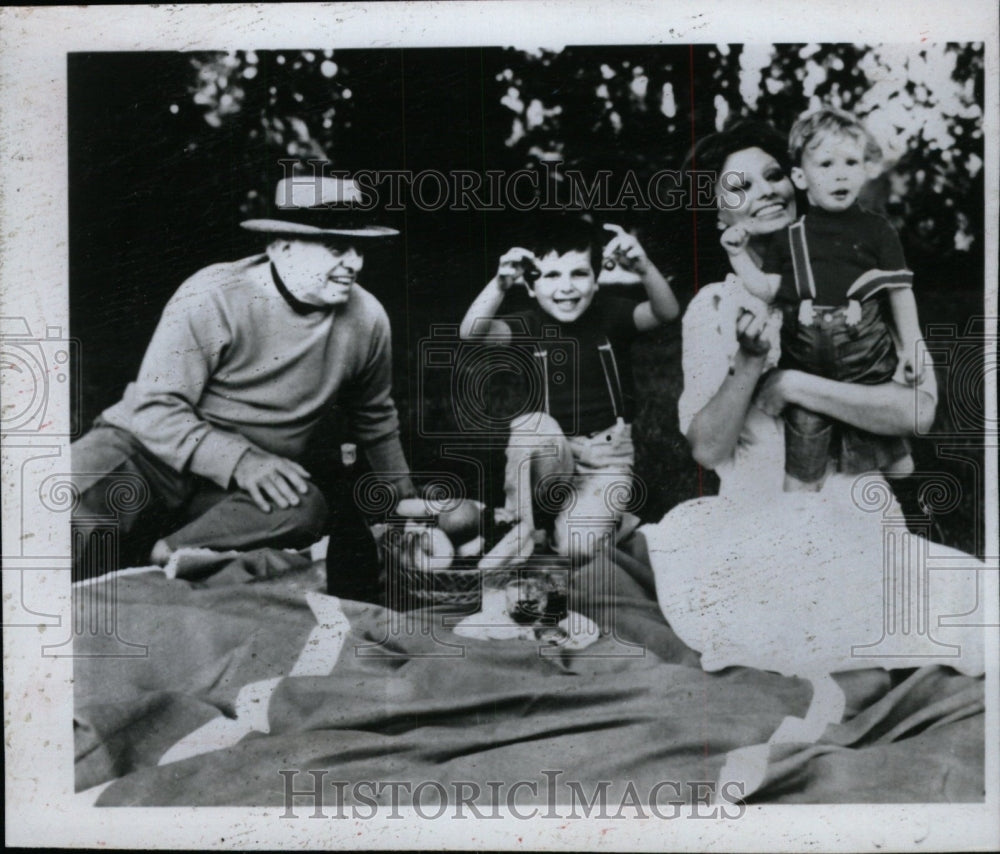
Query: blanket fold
{"x": 247, "y": 683}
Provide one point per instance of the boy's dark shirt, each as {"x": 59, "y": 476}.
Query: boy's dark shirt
{"x": 579, "y": 395}
{"x": 843, "y": 245}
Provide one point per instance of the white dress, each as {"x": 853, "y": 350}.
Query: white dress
{"x": 805, "y": 584}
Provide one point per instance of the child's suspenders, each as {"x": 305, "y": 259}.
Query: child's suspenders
{"x": 612, "y": 377}
{"x": 805, "y": 285}
{"x": 864, "y": 287}
{"x": 543, "y": 358}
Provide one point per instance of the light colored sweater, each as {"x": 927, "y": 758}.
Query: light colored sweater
{"x": 232, "y": 366}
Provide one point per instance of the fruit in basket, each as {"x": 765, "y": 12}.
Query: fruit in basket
{"x": 463, "y": 522}
{"x": 425, "y": 547}
{"x": 472, "y": 548}
{"x": 415, "y": 508}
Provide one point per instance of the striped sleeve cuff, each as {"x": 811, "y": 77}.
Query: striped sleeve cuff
{"x": 869, "y": 284}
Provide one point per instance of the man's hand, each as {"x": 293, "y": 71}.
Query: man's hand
{"x": 270, "y": 478}
{"x": 735, "y": 239}
{"x": 517, "y": 266}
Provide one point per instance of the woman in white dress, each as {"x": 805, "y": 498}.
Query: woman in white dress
{"x": 806, "y": 584}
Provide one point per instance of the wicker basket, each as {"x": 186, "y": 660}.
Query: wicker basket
{"x": 455, "y": 581}
{"x": 457, "y": 585}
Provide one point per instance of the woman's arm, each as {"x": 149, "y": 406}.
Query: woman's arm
{"x": 889, "y": 409}
{"x": 716, "y": 427}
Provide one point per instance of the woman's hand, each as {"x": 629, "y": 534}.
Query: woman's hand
{"x": 776, "y": 392}
{"x": 753, "y": 331}
{"x": 716, "y": 427}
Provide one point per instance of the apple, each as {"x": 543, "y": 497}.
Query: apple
{"x": 463, "y": 522}
{"x": 426, "y": 548}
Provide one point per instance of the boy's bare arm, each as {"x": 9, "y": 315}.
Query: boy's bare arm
{"x": 661, "y": 305}
{"x": 904, "y": 315}
{"x": 762, "y": 285}
{"x": 480, "y": 321}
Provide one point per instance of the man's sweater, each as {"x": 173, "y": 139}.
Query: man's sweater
{"x": 232, "y": 365}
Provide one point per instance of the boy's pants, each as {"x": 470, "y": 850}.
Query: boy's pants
{"x": 584, "y": 482}
{"x": 864, "y": 353}
{"x": 123, "y": 489}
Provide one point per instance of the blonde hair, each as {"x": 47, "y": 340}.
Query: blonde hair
{"x": 829, "y": 120}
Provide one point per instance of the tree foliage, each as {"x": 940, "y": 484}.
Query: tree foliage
{"x": 638, "y": 108}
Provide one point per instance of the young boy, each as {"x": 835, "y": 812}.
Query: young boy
{"x": 580, "y": 342}
{"x": 832, "y": 273}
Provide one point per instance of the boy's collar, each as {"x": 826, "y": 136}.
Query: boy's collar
{"x": 816, "y": 212}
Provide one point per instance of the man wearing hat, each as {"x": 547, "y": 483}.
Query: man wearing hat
{"x": 245, "y": 360}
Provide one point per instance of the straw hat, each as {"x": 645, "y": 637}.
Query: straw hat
{"x": 317, "y": 205}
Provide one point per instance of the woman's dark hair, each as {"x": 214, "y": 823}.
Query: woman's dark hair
{"x": 711, "y": 152}
{"x": 707, "y": 262}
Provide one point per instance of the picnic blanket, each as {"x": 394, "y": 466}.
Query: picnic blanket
{"x": 249, "y": 684}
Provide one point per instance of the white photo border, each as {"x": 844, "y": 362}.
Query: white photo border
{"x": 42, "y": 809}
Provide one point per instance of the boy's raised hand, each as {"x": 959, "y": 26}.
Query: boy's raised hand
{"x": 625, "y": 263}
{"x": 624, "y": 250}
{"x": 516, "y": 268}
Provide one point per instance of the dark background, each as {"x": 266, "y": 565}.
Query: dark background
{"x": 162, "y": 170}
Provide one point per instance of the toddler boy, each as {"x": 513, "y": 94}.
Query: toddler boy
{"x": 832, "y": 273}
